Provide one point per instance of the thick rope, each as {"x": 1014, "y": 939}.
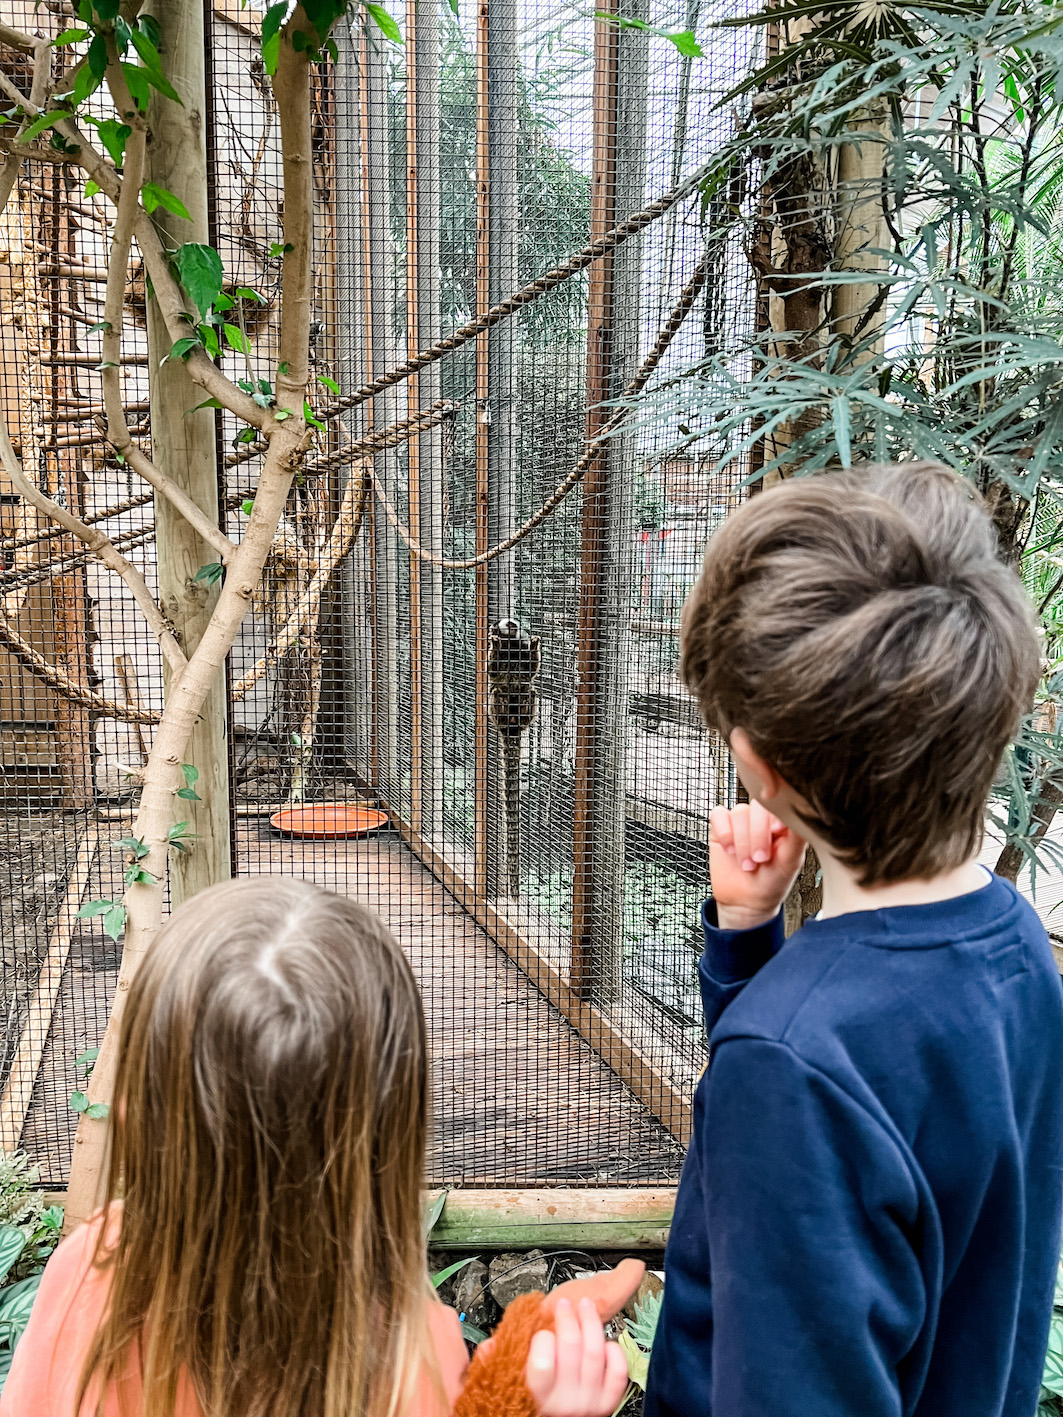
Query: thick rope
{"x": 538, "y": 287}
{"x": 638, "y": 383}
{"x": 39, "y": 667}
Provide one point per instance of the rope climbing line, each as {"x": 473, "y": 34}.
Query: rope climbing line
{"x": 638, "y": 383}
{"x": 47, "y": 673}
{"x": 631, "y": 226}
{"x": 350, "y": 520}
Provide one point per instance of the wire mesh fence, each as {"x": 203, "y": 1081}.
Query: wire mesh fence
{"x": 540, "y": 781}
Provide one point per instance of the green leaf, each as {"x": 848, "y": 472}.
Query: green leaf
{"x": 247, "y": 506}
{"x": 41, "y": 122}
{"x": 190, "y": 773}
{"x": 79, "y": 1102}
{"x": 236, "y": 339}
{"x": 329, "y": 384}
{"x": 432, "y": 1211}
{"x": 133, "y": 844}
{"x": 387, "y": 26}
{"x": 92, "y": 188}
{"x": 842, "y": 429}
{"x": 96, "y": 1111}
{"x": 189, "y": 794}
{"x": 74, "y": 36}
{"x": 16, "y": 1304}
{"x": 442, "y": 1275}
{"x": 183, "y": 348}
{"x": 93, "y": 908}
{"x": 86, "y": 1059}
{"x": 152, "y": 195}
{"x": 471, "y": 1333}
{"x": 281, "y": 414}
{"x": 136, "y": 876}
{"x": 107, "y": 9}
{"x": 212, "y": 572}
{"x": 308, "y": 414}
{"x": 113, "y": 136}
{"x": 12, "y": 1243}
{"x": 271, "y": 40}
{"x": 283, "y": 367}
{"x": 207, "y": 403}
{"x": 209, "y": 336}
{"x": 96, "y": 57}
{"x": 638, "y": 1361}
{"x": 114, "y": 921}
{"x": 201, "y": 273}
{"x": 276, "y": 250}
{"x": 52, "y": 1218}
{"x": 85, "y": 85}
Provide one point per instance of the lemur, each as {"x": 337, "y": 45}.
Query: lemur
{"x": 512, "y": 667}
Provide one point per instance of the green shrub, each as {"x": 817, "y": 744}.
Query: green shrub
{"x": 29, "y": 1232}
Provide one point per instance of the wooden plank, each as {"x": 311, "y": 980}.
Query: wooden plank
{"x": 22, "y": 1078}
{"x": 656, "y": 1092}
{"x": 602, "y": 1218}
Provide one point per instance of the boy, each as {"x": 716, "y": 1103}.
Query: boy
{"x": 868, "y": 1220}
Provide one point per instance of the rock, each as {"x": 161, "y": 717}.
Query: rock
{"x": 472, "y": 1297}
{"x": 651, "y": 1284}
{"x": 517, "y": 1274}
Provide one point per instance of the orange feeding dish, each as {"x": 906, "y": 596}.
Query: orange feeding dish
{"x": 324, "y": 821}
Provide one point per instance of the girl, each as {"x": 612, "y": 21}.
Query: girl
{"x": 267, "y": 1256}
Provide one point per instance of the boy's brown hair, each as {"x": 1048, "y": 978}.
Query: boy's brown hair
{"x": 862, "y": 629}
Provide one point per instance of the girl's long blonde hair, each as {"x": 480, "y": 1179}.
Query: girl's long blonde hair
{"x": 269, "y": 1134}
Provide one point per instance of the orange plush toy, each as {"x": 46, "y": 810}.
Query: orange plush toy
{"x": 494, "y": 1385}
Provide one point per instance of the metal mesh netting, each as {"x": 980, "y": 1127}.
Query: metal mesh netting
{"x": 542, "y": 780}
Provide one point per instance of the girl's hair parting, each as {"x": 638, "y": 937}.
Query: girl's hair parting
{"x": 270, "y": 1115}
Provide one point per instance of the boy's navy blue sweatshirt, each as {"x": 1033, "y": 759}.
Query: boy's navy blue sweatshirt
{"x": 868, "y": 1220}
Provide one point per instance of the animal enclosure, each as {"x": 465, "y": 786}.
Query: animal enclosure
{"x": 469, "y": 618}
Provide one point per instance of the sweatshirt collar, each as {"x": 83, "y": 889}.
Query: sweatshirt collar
{"x": 922, "y": 926}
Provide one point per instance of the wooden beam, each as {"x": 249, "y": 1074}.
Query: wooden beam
{"x": 657, "y": 1093}
{"x": 603, "y": 1218}
{"x": 18, "y": 1090}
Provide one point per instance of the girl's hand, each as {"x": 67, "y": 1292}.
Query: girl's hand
{"x": 753, "y": 861}
{"x": 572, "y": 1371}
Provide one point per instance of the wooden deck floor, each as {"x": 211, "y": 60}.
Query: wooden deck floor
{"x": 519, "y": 1098}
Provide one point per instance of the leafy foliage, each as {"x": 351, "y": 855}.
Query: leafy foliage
{"x": 917, "y": 298}
{"x": 1052, "y": 1379}
{"x": 29, "y": 1227}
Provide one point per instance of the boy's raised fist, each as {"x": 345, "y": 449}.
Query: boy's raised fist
{"x": 754, "y": 859}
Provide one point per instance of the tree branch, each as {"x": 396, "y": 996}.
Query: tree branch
{"x": 118, "y": 432}
{"x": 38, "y": 92}
{"x": 101, "y": 546}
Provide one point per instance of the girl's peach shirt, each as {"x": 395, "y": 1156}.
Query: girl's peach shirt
{"x": 47, "y": 1363}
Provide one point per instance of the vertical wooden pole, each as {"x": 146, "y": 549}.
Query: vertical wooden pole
{"x": 619, "y": 108}
{"x": 497, "y": 242}
{"x": 486, "y": 820}
{"x": 69, "y": 593}
{"x": 422, "y": 327}
{"x": 353, "y": 317}
{"x": 378, "y": 261}
{"x": 184, "y": 444}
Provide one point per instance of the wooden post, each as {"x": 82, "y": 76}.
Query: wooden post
{"x": 497, "y": 238}
{"x": 377, "y": 264}
{"x": 612, "y": 347}
{"x": 69, "y": 592}
{"x": 184, "y": 444}
{"x": 425, "y": 467}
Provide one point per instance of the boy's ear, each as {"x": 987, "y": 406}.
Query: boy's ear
{"x": 760, "y": 778}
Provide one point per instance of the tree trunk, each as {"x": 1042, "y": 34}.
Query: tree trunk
{"x": 184, "y": 444}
